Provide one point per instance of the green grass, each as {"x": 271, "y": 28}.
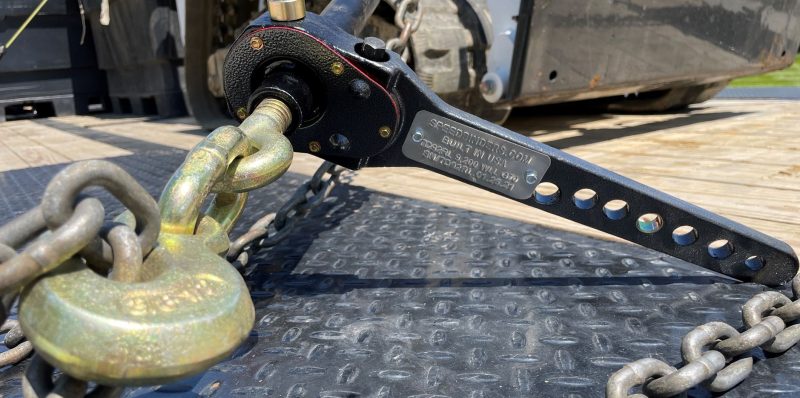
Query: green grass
{"x": 781, "y": 78}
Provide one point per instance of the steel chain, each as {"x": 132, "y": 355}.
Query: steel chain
{"x": 408, "y": 18}
{"x": 67, "y": 224}
{"x": 727, "y": 361}
{"x": 273, "y": 228}
{"x": 14, "y": 340}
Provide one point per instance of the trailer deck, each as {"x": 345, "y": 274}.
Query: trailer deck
{"x": 406, "y": 283}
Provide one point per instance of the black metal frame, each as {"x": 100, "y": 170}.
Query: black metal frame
{"x": 517, "y": 72}
{"x": 396, "y": 96}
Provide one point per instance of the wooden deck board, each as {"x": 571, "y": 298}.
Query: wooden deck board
{"x": 740, "y": 159}
{"x": 28, "y": 144}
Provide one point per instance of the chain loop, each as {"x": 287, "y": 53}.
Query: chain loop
{"x": 758, "y": 335}
{"x": 272, "y": 151}
{"x": 14, "y": 339}
{"x": 273, "y": 228}
{"x": 708, "y": 335}
{"x": 764, "y": 303}
{"x": 52, "y": 250}
{"x": 38, "y": 383}
{"x": 408, "y": 23}
{"x": 634, "y": 374}
{"x": 187, "y": 190}
{"x": 765, "y": 317}
{"x": 128, "y": 257}
{"x": 61, "y": 193}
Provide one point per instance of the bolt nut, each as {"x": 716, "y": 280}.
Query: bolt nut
{"x": 385, "y": 132}
{"x": 314, "y": 146}
{"x": 256, "y": 43}
{"x": 373, "y": 48}
{"x": 337, "y": 68}
{"x": 241, "y": 113}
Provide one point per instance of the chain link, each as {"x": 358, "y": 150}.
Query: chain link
{"x": 273, "y": 228}
{"x": 229, "y": 163}
{"x": 14, "y": 340}
{"x": 726, "y": 362}
{"x": 64, "y": 225}
{"x": 38, "y": 383}
{"x": 408, "y": 18}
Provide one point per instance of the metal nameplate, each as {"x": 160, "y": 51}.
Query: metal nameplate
{"x": 474, "y": 155}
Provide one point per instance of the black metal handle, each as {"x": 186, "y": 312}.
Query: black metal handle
{"x": 388, "y": 117}
{"x": 449, "y": 141}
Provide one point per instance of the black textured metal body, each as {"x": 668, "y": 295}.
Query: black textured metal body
{"x": 344, "y": 112}
{"x": 313, "y": 40}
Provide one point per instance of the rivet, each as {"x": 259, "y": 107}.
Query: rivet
{"x": 531, "y": 177}
{"x": 385, "y": 132}
{"x": 314, "y": 146}
{"x": 337, "y": 68}
{"x": 418, "y": 135}
{"x": 241, "y": 113}
{"x": 256, "y": 43}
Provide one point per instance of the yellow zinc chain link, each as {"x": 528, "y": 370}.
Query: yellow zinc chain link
{"x": 230, "y": 162}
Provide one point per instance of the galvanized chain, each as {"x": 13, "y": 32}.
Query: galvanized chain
{"x": 64, "y": 225}
{"x": 408, "y": 18}
{"x": 14, "y": 340}
{"x": 273, "y": 228}
{"x": 726, "y": 361}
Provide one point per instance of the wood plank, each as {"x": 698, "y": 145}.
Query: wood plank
{"x": 177, "y": 135}
{"x": 29, "y": 144}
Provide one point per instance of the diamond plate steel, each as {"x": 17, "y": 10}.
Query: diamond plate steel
{"x": 381, "y": 296}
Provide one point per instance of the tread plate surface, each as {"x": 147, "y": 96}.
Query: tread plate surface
{"x": 382, "y": 296}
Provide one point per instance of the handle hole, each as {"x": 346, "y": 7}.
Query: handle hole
{"x": 754, "y": 263}
{"x": 547, "y": 193}
{"x": 649, "y": 223}
{"x": 684, "y": 235}
{"x": 584, "y": 199}
{"x": 720, "y": 249}
{"x": 616, "y": 209}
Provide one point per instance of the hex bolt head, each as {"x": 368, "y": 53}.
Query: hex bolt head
{"x": 314, "y": 146}
{"x": 256, "y": 43}
{"x": 373, "y": 49}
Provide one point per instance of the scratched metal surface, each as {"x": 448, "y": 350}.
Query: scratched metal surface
{"x": 381, "y": 296}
